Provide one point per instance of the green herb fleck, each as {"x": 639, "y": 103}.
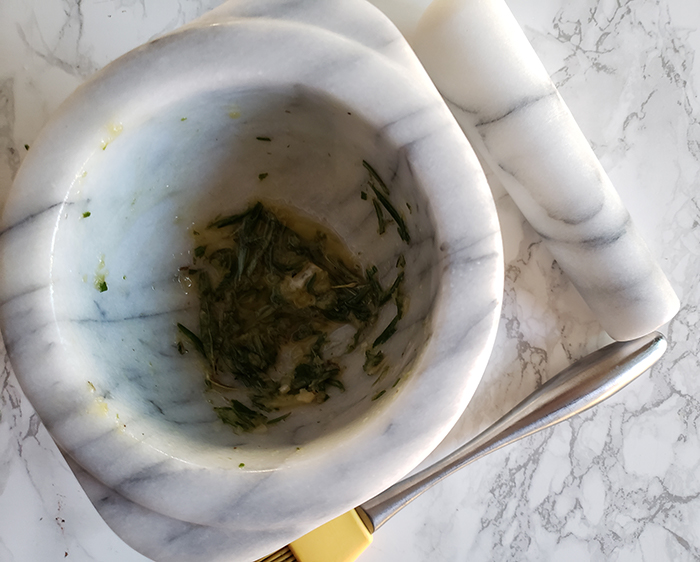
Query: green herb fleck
{"x": 241, "y": 465}
{"x": 378, "y": 395}
{"x": 100, "y": 280}
{"x": 264, "y": 139}
{"x": 401, "y": 262}
{"x": 86, "y": 214}
{"x": 262, "y": 176}
{"x": 199, "y": 251}
{"x": 363, "y": 195}
{"x": 183, "y": 119}
{"x": 26, "y": 147}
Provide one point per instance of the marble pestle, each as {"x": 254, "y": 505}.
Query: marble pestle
{"x": 500, "y": 93}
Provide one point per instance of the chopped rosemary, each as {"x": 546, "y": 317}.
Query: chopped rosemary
{"x": 375, "y": 176}
{"x": 269, "y": 300}
{"x": 400, "y": 223}
{"x": 380, "y": 216}
{"x": 193, "y": 338}
{"x": 382, "y": 196}
{"x": 240, "y": 416}
{"x": 372, "y": 359}
{"x": 392, "y": 290}
{"x": 389, "y": 331}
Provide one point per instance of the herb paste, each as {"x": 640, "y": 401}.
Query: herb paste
{"x": 272, "y": 294}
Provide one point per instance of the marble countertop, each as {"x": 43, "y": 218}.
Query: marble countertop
{"x": 617, "y": 483}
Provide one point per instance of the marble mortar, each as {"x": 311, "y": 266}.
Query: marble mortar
{"x": 169, "y": 136}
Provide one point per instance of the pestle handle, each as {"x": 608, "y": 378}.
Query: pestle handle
{"x": 577, "y": 388}
{"x": 500, "y": 93}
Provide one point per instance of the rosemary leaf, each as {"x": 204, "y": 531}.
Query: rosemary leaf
{"x": 389, "y": 331}
{"x": 240, "y": 416}
{"x": 375, "y": 176}
{"x": 279, "y": 419}
{"x": 386, "y": 296}
{"x": 400, "y": 223}
{"x": 380, "y": 216}
{"x": 193, "y": 338}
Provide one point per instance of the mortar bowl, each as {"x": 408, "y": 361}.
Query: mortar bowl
{"x": 298, "y": 106}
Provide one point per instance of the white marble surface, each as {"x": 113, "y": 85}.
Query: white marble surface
{"x": 619, "y": 483}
